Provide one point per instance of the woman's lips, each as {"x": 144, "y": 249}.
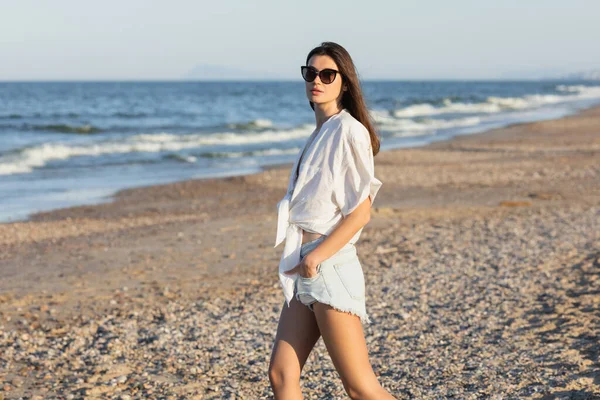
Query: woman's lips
{"x": 315, "y": 91}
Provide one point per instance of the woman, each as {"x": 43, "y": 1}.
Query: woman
{"x": 330, "y": 193}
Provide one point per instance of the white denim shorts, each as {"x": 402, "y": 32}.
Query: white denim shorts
{"x": 339, "y": 282}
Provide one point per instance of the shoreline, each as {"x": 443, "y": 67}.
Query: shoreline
{"x": 113, "y": 194}
{"x": 480, "y": 260}
{"x": 488, "y": 133}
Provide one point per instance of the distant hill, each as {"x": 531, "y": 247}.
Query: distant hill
{"x": 211, "y": 72}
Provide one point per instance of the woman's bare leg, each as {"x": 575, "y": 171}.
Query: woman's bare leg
{"x": 345, "y": 341}
{"x": 297, "y": 333}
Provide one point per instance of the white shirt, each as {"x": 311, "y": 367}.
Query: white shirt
{"x": 336, "y": 175}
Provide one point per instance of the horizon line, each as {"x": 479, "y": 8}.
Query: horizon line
{"x": 232, "y": 80}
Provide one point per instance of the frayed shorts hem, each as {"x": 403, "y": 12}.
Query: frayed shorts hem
{"x": 364, "y": 317}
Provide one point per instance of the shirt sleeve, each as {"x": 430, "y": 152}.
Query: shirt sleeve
{"x": 355, "y": 180}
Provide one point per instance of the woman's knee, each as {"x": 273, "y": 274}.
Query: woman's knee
{"x": 281, "y": 376}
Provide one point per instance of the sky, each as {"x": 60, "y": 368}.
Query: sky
{"x": 395, "y": 39}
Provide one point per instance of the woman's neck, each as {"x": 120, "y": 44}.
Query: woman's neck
{"x": 324, "y": 112}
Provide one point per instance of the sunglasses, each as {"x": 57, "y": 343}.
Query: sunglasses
{"x": 326, "y": 75}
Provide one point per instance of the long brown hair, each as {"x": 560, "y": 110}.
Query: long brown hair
{"x": 352, "y": 98}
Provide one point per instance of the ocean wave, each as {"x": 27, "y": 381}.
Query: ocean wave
{"x": 255, "y": 153}
{"x": 122, "y": 114}
{"x": 495, "y": 104}
{"x": 410, "y": 126}
{"x": 118, "y": 114}
{"x": 232, "y": 154}
{"x": 256, "y": 124}
{"x": 57, "y": 128}
{"x": 40, "y": 115}
{"x": 24, "y": 160}
{"x": 65, "y": 128}
{"x": 181, "y": 157}
{"x": 11, "y": 116}
{"x": 581, "y": 89}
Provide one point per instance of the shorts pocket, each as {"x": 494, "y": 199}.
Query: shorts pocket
{"x": 351, "y": 275}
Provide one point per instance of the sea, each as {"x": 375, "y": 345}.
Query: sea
{"x": 72, "y": 143}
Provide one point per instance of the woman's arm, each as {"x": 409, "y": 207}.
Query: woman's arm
{"x": 341, "y": 235}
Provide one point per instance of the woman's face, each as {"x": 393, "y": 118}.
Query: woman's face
{"x": 317, "y": 91}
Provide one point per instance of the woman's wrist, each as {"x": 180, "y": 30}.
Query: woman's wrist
{"x": 312, "y": 260}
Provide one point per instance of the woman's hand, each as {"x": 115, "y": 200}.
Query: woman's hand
{"x": 307, "y": 268}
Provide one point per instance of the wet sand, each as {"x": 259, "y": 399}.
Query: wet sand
{"x": 482, "y": 263}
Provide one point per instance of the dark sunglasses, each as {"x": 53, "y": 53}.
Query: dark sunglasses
{"x": 326, "y": 75}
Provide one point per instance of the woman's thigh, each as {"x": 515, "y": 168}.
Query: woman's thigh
{"x": 345, "y": 342}
{"x": 297, "y": 333}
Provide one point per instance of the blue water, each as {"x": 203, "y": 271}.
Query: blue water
{"x": 70, "y": 143}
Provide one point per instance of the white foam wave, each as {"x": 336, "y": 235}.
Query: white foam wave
{"x": 262, "y": 123}
{"x": 495, "y": 104}
{"x": 410, "y": 127}
{"x": 422, "y": 110}
{"x": 266, "y": 152}
{"x": 256, "y": 124}
{"x": 38, "y": 156}
{"x": 183, "y": 157}
{"x": 581, "y": 89}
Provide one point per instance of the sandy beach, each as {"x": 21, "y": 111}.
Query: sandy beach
{"x": 481, "y": 260}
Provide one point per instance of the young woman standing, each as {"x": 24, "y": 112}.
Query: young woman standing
{"x": 330, "y": 193}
